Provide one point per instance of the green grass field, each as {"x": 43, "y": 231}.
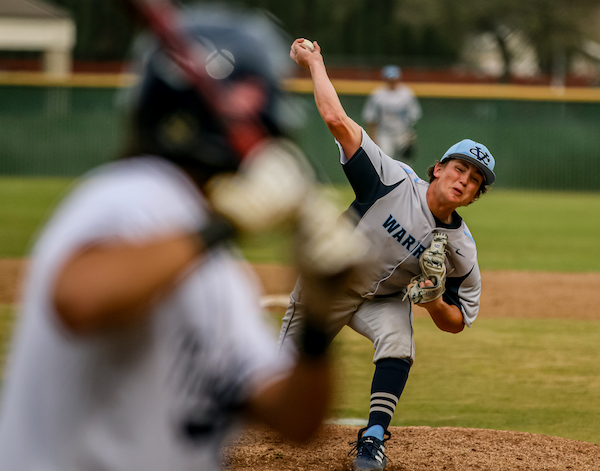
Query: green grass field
{"x": 538, "y": 376}
{"x": 25, "y": 204}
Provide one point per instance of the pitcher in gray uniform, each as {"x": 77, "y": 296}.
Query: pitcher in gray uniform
{"x": 400, "y": 213}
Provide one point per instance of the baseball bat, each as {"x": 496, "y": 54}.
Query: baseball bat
{"x": 160, "y": 16}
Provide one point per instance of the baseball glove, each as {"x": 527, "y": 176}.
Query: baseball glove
{"x": 433, "y": 268}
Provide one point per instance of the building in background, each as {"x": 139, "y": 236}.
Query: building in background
{"x": 38, "y": 26}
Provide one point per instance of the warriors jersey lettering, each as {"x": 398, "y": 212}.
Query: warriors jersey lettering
{"x": 392, "y": 210}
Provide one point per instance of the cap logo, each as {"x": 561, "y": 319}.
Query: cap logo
{"x": 480, "y": 155}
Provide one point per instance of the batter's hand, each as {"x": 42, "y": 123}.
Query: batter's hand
{"x": 327, "y": 244}
{"x": 330, "y": 251}
{"x": 303, "y": 56}
{"x": 267, "y": 190}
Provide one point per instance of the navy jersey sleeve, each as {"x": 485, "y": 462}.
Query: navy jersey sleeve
{"x": 371, "y": 173}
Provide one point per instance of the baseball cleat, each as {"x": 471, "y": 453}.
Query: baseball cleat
{"x": 370, "y": 453}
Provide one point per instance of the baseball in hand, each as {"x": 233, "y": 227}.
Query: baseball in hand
{"x": 306, "y": 44}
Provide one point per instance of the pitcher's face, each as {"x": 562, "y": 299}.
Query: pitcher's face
{"x": 457, "y": 182}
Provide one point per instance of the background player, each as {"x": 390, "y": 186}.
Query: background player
{"x": 139, "y": 341}
{"x": 391, "y": 113}
{"x": 399, "y": 213}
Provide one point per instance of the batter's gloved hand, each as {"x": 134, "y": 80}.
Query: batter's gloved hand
{"x": 329, "y": 251}
{"x": 268, "y": 189}
{"x": 433, "y": 268}
{"x": 327, "y": 243}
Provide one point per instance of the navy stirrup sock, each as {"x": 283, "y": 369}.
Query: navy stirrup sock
{"x": 389, "y": 380}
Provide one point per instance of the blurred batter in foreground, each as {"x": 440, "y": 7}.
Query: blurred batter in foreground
{"x": 140, "y": 340}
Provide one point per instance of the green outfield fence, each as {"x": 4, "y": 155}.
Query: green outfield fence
{"x": 541, "y": 138}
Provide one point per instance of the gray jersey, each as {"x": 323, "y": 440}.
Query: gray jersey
{"x": 392, "y": 208}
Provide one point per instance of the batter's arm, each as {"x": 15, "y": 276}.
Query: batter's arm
{"x": 296, "y": 405}
{"x": 347, "y": 132}
{"x": 111, "y": 284}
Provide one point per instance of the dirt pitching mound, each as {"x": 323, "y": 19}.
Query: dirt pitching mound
{"x": 415, "y": 449}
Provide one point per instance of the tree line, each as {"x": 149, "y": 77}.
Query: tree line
{"x": 374, "y": 32}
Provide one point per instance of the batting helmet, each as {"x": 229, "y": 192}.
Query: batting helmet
{"x": 172, "y": 119}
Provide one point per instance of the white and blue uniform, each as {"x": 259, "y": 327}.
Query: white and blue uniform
{"x": 395, "y": 112}
{"x": 159, "y": 395}
{"x": 392, "y": 211}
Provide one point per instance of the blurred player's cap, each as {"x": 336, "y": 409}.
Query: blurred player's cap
{"x": 391, "y": 72}
{"x": 245, "y": 53}
{"x": 475, "y": 153}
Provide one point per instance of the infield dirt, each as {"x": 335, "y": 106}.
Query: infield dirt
{"x": 416, "y": 449}
{"x": 531, "y": 295}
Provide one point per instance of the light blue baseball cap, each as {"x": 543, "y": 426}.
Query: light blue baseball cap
{"x": 391, "y": 72}
{"x": 477, "y": 154}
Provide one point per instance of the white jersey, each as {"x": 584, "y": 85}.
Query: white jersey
{"x": 392, "y": 208}
{"x": 161, "y": 395}
{"x": 395, "y": 111}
